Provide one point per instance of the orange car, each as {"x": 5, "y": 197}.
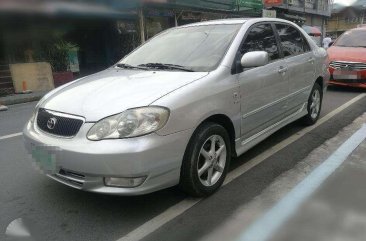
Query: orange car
{"x": 347, "y": 58}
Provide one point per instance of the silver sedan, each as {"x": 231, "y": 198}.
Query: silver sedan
{"x": 177, "y": 109}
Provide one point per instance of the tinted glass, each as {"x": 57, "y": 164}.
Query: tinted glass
{"x": 354, "y": 38}
{"x": 261, "y": 38}
{"x": 199, "y": 48}
{"x": 292, "y": 41}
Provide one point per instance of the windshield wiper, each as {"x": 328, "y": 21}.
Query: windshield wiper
{"x": 166, "y": 66}
{"x": 127, "y": 66}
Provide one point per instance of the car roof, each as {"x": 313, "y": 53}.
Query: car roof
{"x": 237, "y": 21}
{"x": 220, "y": 21}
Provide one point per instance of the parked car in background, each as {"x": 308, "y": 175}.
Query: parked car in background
{"x": 178, "y": 108}
{"x": 315, "y": 34}
{"x": 347, "y": 58}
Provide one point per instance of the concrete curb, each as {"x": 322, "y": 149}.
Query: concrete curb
{"x": 3, "y": 108}
{"x": 21, "y": 98}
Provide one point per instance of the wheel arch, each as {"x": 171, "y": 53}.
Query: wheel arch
{"x": 225, "y": 122}
{"x": 320, "y": 81}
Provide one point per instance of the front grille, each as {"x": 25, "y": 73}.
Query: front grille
{"x": 58, "y": 123}
{"x": 347, "y": 65}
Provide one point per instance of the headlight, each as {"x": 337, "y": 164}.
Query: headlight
{"x": 131, "y": 123}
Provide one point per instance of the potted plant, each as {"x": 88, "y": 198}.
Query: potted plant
{"x": 58, "y": 57}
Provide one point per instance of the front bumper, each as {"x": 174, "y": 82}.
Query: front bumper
{"x": 339, "y": 83}
{"x": 83, "y": 164}
{"x": 356, "y": 78}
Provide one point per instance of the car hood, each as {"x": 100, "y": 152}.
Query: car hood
{"x": 113, "y": 91}
{"x": 347, "y": 54}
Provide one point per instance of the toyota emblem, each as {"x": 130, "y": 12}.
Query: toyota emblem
{"x": 51, "y": 123}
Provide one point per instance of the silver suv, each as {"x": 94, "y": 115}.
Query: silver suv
{"x": 179, "y": 108}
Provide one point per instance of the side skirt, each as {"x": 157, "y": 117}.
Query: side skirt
{"x": 242, "y": 145}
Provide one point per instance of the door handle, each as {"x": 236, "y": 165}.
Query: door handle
{"x": 236, "y": 97}
{"x": 282, "y": 70}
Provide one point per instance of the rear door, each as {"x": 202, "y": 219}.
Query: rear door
{"x": 263, "y": 89}
{"x": 300, "y": 63}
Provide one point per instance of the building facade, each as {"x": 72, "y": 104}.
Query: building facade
{"x": 346, "y": 17}
{"x": 78, "y": 38}
{"x": 82, "y": 37}
{"x": 312, "y": 13}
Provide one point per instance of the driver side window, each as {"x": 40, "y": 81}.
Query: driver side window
{"x": 261, "y": 38}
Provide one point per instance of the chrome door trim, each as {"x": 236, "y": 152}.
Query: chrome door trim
{"x": 250, "y": 139}
{"x": 275, "y": 102}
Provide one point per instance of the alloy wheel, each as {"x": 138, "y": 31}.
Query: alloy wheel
{"x": 315, "y": 104}
{"x": 212, "y": 160}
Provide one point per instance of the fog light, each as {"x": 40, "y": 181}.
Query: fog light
{"x": 123, "y": 181}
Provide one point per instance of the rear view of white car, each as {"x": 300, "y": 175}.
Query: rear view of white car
{"x": 178, "y": 108}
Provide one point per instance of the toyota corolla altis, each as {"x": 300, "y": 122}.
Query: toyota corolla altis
{"x": 347, "y": 58}
{"x": 178, "y": 108}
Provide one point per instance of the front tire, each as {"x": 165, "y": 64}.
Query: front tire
{"x": 314, "y": 105}
{"x": 206, "y": 161}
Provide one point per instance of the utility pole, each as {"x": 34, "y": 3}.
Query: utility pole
{"x": 363, "y": 14}
{"x": 142, "y": 24}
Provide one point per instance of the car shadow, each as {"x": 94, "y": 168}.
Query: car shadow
{"x": 346, "y": 89}
{"x": 66, "y": 213}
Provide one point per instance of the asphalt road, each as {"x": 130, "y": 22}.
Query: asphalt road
{"x": 56, "y": 212}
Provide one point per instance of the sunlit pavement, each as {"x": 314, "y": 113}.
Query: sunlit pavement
{"x": 52, "y": 211}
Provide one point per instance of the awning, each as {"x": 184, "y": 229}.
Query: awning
{"x": 64, "y": 9}
{"x": 312, "y": 30}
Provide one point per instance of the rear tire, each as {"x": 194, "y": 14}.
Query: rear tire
{"x": 314, "y": 105}
{"x": 206, "y": 160}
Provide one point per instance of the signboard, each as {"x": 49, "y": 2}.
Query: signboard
{"x": 36, "y": 76}
{"x": 270, "y": 3}
{"x": 159, "y": 13}
{"x": 155, "y": 1}
{"x": 191, "y": 16}
{"x": 269, "y": 13}
{"x": 126, "y": 27}
{"x": 228, "y": 5}
{"x": 249, "y": 4}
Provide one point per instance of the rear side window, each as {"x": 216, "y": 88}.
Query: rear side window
{"x": 261, "y": 38}
{"x": 292, "y": 41}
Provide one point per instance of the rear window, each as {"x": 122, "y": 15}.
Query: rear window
{"x": 292, "y": 41}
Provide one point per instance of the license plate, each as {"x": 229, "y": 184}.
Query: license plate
{"x": 45, "y": 159}
{"x": 342, "y": 75}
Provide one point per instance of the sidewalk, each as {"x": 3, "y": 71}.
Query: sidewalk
{"x": 21, "y": 98}
{"x": 337, "y": 211}
{"x": 334, "y": 209}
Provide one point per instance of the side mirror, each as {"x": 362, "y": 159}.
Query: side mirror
{"x": 254, "y": 59}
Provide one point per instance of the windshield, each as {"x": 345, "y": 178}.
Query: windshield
{"x": 196, "y": 48}
{"x": 354, "y": 38}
